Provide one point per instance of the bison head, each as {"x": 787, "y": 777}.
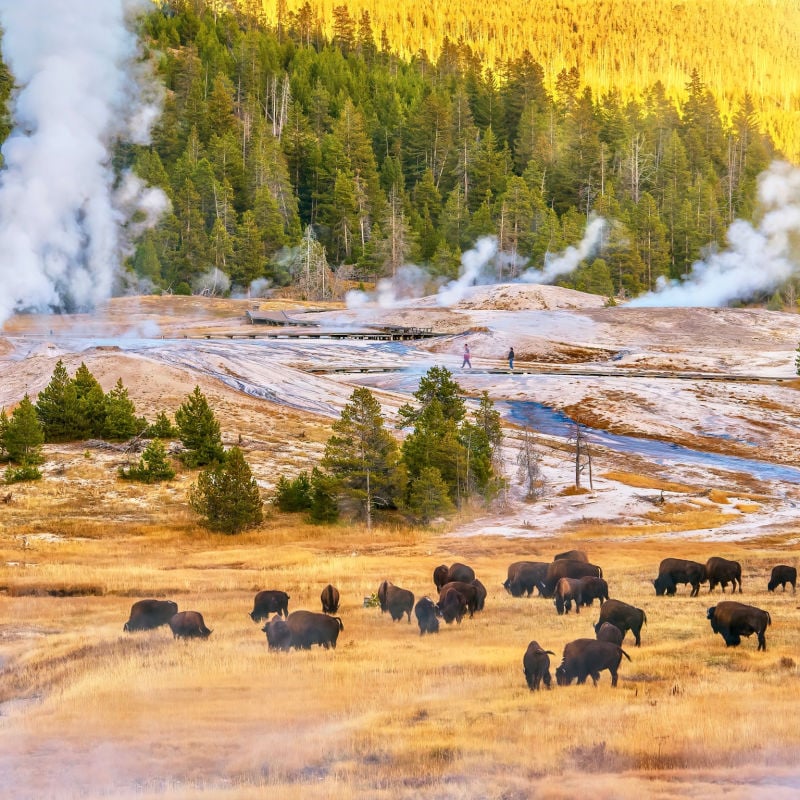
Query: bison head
{"x": 279, "y": 636}
{"x": 562, "y": 677}
{"x": 664, "y": 585}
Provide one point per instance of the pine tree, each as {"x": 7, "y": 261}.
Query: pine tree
{"x": 91, "y": 403}
{"x": 120, "y": 415}
{"x": 23, "y": 435}
{"x": 226, "y": 495}
{"x": 293, "y": 495}
{"x": 57, "y": 407}
{"x": 324, "y": 508}
{"x": 437, "y": 384}
{"x": 3, "y": 429}
{"x": 153, "y": 466}
{"x": 162, "y": 428}
{"x": 363, "y": 456}
{"x": 429, "y": 496}
{"x": 199, "y": 431}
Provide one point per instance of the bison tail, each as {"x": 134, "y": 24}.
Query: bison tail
{"x": 340, "y": 623}
{"x": 644, "y": 617}
{"x": 625, "y": 654}
{"x": 550, "y": 651}
{"x": 769, "y": 618}
{"x": 126, "y": 628}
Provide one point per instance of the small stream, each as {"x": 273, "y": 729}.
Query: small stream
{"x": 553, "y": 422}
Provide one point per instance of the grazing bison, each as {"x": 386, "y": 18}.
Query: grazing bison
{"x": 733, "y": 620}
{"x": 189, "y": 625}
{"x": 395, "y": 600}
{"x": 455, "y": 572}
{"x": 523, "y": 576}
{"x": 593, "y": 589}
{"x": 782, "y": 574}
{"x": 330, "y": 599}
{"x": 585, "y": 657}
{"x": 468, "y": 591}
{"x": 721, "y": 571}
{"x": 673, "y": 571}
{"x": 609, "y": 633}
{"x": 305, "y": 628}
{"x": 480, "y": 597}
{"x": 270, "y": 601}
{"x": 572, "y": 555}
{"x": 148, "y": 614}
{"x": 568, "y": 590}
{"x": 536, "y": 666}
{"x": 565, "y": 568}
{"x": 427, "y": 613}
{"x": 623, "y": 616}
{"x": 452, "y": 605}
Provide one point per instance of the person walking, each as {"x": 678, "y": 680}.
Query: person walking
{"x": 511, "y": 358}
{"x": 466, "y": 362}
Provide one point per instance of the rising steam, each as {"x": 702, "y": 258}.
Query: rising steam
{"x": 759, "y": 258}
{"x": 80, "y": 89}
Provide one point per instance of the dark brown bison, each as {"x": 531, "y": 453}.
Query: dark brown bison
{"x": 781, "y": 575}
{"x": 593, "y": 589}
{"x": 330, "y": 599}
{"x": 733, "y": 620}
{"x": 452, "y": 605}
{"x": 524, "y": 576}
{"x": 572, "y": 555}
{"x": 721, "y": 571}
{"x": 427, "y": 614}
{"x": 536, "y": 666}
{"x": 455, "y": 572}
{"x": 480, "y": 598}
{"x": 623, "y": 616}
{"x": 565, "y": 568}
{"x": 148, "y": 614}
{"x": 568, "y": 591}
{"x": 395, "y": 600}
{"x": 270, "y": 601}
{"x": 609, "y": 633}
{"x": 189, "y": 625}
{"x": 673, "y": 571}
{"x": 468, "y": 591}
{"x": 585, "y": 657}
{"x": 305, "y": 628}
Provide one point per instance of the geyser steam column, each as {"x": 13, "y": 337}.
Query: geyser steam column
{"x": 80, "y": 89}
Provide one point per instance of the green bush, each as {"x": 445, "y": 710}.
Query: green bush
{"x": 27, "y": 472}
{"x": 153, "y": 466}
{"x": 294, "y": 495}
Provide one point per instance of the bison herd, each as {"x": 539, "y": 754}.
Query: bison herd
{"x": 569, "y": 580}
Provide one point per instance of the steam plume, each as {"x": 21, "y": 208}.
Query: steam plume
{"x": 80, "y": 90}
{"x": 473, "y": 263}
{"x": 570, "y": 259}
{"x": 759, "y": 258}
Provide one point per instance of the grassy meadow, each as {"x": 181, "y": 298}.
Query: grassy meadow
{"x": 87, "y": 710}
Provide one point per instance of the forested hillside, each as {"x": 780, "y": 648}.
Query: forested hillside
{"x": 300, "y": 160}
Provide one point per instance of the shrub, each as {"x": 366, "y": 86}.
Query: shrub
{"x": 199, "y": 431}
{"x": 153, "y": 466}
{"x": 292, "y": 496}
{"x": 27, "y": 472}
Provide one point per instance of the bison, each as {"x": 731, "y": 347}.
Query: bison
{"x": 189, "y": 625}
{"x": 585, "y": 657}
{"x": 782, "y": 574}
{"x": 455, "y": 572}
{"x": 572, "y": 555}
{"x": 536, "y": 666}
{"x": 452, "y": 605}
{"x": 270, "y": 601}
{"x": 427, "y": 614}
{"x": 330, "y": 599}
{"x": 480, "y": 596}
{"x": 609, "y": 633}
{"x": 721, "y": 571}
{"x": 468, "y": 591}
{"x": 148, "y": 614}
{"x": 301, "y": 629}
{"x": 566, "y": 568}
{"x": 672, "y": 571}
{"x": 593, "y": 589}
{"x": 623, "y": 616}
{"x": 523, "y": 576}
{"x": 395, "y": 600}
{"x": 733, "y": 620}
{"x": 568, "y": 590}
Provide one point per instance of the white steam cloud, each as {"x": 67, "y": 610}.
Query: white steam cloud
{"x": 759, "y": 258}
{"x": 80, "y": 89}
{"x": 473, "y": 265}
{"x": 409, "y": 283}
{"x": 570, "y": 259}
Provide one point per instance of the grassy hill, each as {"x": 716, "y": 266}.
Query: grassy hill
{"x": 739, "y": 46}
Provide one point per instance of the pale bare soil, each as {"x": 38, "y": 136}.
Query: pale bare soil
{"x": 86, "y": 710}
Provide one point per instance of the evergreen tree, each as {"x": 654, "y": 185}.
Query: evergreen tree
{"x": 3, "y": 429}
{"x": 199, "y": 431}
{"x": 363, "y": 455}
{"x": 120, "y": 420}
{"x": 293, "y": 495}
{"x": 429, "y": 496}
{"x": 226, "y": 495}
{"x": 57, "y": 407}
{"x": 324, "y": 508}
{"x": 437, "y": 384}
{"x": 91, "y": 404}
{"x": 162, "y": 428}
{"x": 23, "y": 435}
{"x": 153, "y": 466}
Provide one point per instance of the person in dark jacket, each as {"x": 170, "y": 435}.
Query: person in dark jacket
{"x": 511, "y": 358}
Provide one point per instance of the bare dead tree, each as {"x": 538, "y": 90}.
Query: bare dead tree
{"x": 583, "y": 456}
{"x": 529, "y": 469}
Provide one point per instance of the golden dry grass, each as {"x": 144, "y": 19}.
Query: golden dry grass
{"x": 88, "y": 709}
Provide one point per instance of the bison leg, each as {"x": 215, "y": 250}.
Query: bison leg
{"x": 762, "y": 641}
{"x": 637, "y": 634}
{"x": 695, "y": 590}
{"x": 613, "y": 672}
{"x": 595, "y": 677}
{"x": 547, "y": 679}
